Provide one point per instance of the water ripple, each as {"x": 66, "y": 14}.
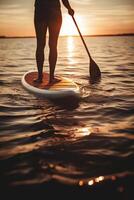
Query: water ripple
{"x": 42, "y": 140}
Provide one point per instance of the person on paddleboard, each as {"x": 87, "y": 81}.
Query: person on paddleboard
{"x": 48, "y": 16}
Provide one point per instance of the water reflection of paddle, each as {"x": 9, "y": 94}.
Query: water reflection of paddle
{"x": 95, "y": 73}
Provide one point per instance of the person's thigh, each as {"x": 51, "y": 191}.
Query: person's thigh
{"x": 54, "y": 27}
{"x": 41, "y": 25}
{"x": 41, "y": 30}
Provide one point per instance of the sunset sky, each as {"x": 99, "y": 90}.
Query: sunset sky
{"x": 93, "y": 17}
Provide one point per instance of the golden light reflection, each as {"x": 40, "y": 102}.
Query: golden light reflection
{"x": 51, "y": 165}
{"x": 84, "y": 131}
{"x": 91, "y": 182}
{"x": 98, "y": 179}
{"x": 70, "y": 44}
{"x": 70, "y": 49}
{"x": 81, "y": 183}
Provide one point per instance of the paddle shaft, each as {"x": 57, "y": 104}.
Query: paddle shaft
{"x": 81, "y": 37}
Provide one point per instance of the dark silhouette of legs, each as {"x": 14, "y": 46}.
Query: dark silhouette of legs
{"x": 52, "y": 20}
{"x": 41, "y": 29}
{"x": 54, "y": 29}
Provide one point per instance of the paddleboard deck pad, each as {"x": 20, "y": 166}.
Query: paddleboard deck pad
{"x": 61, "y": 88}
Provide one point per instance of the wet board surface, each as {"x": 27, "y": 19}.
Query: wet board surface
{"x": 62, "y": 87}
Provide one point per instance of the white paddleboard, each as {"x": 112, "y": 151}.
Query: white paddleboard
{"x": 64, "y": 87}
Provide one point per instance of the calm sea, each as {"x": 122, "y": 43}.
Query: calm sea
{"x": 84, "y": 145}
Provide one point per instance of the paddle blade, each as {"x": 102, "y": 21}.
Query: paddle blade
{"x": 95, "y": 73}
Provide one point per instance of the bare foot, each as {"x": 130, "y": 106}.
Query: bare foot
{"x": 55, "y": 80}
{"x": 38, "y": 80}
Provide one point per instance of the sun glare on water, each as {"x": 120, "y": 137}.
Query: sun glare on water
{"x": 84, "y": 131}
{"x": 70, "y": 45}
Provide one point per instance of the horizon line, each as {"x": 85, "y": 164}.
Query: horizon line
{"x": 85, "y": 35}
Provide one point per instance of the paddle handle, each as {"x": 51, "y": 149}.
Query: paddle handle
{"x": 81, "y": 37}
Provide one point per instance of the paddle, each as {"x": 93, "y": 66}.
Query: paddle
{"x": 95, "y": 72}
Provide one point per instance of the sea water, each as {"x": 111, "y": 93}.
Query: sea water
{"x": 42, "y": 141}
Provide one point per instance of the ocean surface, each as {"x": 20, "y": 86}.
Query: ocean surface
{"x": 84, "y": 144}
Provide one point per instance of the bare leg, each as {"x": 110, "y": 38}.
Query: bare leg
{"x": 41, "y": 29}
{"x": 52, "y": 61}
{"x": 54, "y": 29}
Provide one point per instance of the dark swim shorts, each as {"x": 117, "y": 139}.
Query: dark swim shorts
{"x": 47, "y": 15}
{"x": 48, "y": 3}
{"x": 47, "y": 10}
